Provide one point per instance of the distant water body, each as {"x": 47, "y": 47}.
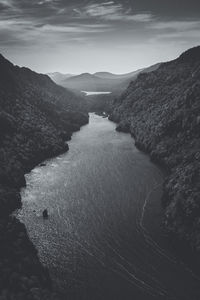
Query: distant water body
{"x": 95, "y": 93}
{"x": 102, "y": 240}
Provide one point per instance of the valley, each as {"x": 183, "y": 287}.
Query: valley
{"x": 84, "y": 188}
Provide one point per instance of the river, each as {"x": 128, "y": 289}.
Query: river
{"x": 102, "y": 239}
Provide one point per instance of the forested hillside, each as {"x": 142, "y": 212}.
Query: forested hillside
{"x": 161, "y": 109}
{"x": 37, "y": 117}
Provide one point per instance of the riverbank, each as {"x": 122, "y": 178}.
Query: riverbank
{"x": 161, "y": 111}
{"x": 22, "y": 274}
{"x": 37, "y": 117}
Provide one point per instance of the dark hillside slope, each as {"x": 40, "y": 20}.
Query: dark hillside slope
{"x": 36, "y": 119}
{"x": 161, "y": 109}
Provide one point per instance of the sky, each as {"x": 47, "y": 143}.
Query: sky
{"x": 76, "y": 36}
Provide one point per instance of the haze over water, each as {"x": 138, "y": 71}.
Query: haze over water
{"x": 97, "y": 242}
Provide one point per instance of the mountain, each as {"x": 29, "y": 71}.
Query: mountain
{"x": 101, "y": 81}
{"x": 107, "y": 75}
{"x": 124, "y": 80}
{"x": 87, "y": 82}
{"x": 37, "y": 117}
{"x": 36, "y": 108}
{"x": 101, "y": 103}
{"x": 161, "y": 109}
{"x": 58, "y": 77}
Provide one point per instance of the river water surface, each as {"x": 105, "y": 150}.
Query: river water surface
{"x": 102, "y": 238}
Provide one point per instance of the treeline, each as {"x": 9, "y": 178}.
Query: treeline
{"x": 161, "y": 109}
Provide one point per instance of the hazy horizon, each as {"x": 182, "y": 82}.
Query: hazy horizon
{"x": 94, "y": 36}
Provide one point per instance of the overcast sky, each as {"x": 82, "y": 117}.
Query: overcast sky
{"x": 75, "y": 36}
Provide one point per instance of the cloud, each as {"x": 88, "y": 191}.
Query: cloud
{"x": 108, "y": 3}
{"x": 181, "y": 31}
{"x": 76, "y": 10}
{"x": 44, "y": 2}
{"x": 17, "y": 26}
{"x": 115, "y": 12}
{"x": 175, "y": 32}
{"x": 178, "y": 36}
{"x": 20, "y": 33}
{"x": 176, "y": 25}
{"x": 103, "y": 10}
{"x": 6, "y": 3}
{"x": 135, "y": 18}
{"x": 74, "y": 28}
{"x": 79, "y": 26}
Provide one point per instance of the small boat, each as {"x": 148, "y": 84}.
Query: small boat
{"x": 42, "y": 165}
{"x": 45, "y": 214}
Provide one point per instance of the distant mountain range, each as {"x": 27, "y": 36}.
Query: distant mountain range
{"x": 100, "y": 81}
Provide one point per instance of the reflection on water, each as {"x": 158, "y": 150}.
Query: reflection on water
{"x": 95, "y": 93}
{"x": 96, "y": 243}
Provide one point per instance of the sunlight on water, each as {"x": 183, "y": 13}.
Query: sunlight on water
{"x": 95, "y": 93}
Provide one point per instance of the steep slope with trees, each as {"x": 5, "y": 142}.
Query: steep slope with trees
{"x": 37, "y": 117}
{"x": 161, "y": 109}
